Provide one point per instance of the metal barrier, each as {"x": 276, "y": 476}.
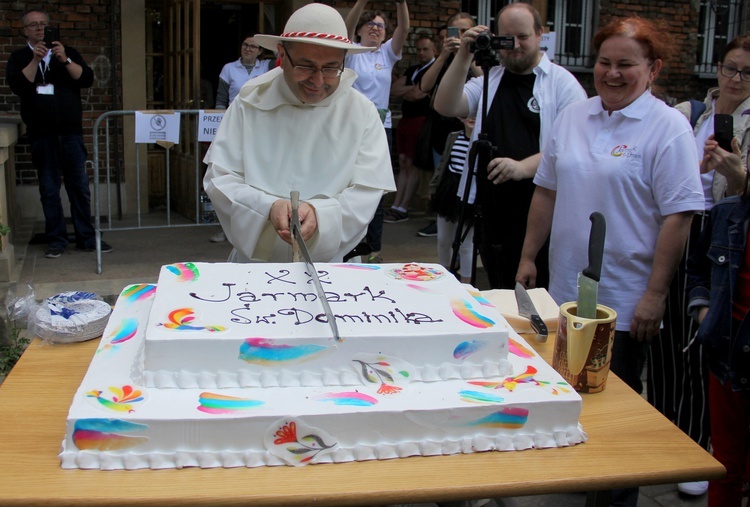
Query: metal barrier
{"x": 105, "y": 118}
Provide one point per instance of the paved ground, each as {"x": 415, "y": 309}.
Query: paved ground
{"x": 138, "y": 255}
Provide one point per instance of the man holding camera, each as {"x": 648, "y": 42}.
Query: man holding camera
{"x": 48, "y": 77}
{"x": 525, "y": 94}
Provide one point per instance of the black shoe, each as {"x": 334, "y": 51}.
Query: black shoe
{"x": 106, "y": 248}
{"x": 394, "y": 216}
{"x": 53, "y": 252}
{"x": 429, "y": 231}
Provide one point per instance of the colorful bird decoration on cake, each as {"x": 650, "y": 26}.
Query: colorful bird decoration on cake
{"x": 180, "y": 320}
{"x": 121, "y": 399}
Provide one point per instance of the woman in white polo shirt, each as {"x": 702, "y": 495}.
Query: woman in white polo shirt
{"x": 374, "y": 74}
{"x": 631, "y": 157}
{"x": 235, "y": 74}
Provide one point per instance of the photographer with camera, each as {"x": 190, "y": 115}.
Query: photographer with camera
{"x": 48, "y": 77}
{"x": 525, "y": 95}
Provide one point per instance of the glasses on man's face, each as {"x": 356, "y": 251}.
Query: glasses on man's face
{"x": 730, "y": 72}
{"x": 327, "y": 72}
{"x": 36, "y": 24}
{"x": 251, "y": 47}
{"x": 373, "y": 24}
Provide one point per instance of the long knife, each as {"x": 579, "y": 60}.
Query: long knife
{"x": 527, "y": 309}
{"x": 588, "y": 279}
{"x": 301, "y": 248}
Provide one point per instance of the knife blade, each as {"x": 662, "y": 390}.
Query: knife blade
{"x": 527, "y": 309}
{"x": 301, "y": 248}
{"x": 588, "y": 279}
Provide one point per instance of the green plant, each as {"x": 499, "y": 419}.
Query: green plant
{"x": 11, "y": 352}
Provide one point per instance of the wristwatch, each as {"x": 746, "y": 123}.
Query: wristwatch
{"x": 67, "y": 62}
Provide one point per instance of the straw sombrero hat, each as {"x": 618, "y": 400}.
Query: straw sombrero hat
{"x": 314, "y": 24}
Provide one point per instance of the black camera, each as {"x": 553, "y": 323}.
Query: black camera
{"x": 486, "y": 40}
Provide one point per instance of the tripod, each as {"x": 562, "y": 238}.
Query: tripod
{"x": 480, "y": 155}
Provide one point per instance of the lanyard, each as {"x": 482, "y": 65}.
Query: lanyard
{"x": 44, "y": 66}
{"x": 416, "y": 72}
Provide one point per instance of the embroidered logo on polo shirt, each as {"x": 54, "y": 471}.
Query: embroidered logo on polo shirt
{"x": 533, "y": 105}
{"x": 624, "y": 151}
{"x": 378, "y": 66}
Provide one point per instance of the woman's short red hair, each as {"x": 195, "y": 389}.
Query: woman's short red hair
{"x": 656, "y": 40}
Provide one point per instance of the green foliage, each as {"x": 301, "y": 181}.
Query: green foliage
{"x": 11, "y": 351}
{"x": 4, "y": 229}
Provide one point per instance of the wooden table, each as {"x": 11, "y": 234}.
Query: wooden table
{"x": 630, "y": 444}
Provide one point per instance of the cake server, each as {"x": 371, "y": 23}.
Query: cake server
{"x": 588, "y": 279}
{"x": 301, "y": 248}
{"x": 527, "y": 309}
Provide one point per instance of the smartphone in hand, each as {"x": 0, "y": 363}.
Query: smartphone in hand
{"x": 724, "y": 131}
{"x": 51, "y": 34}
{"x": 452, "y": 32}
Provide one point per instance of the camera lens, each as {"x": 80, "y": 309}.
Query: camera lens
{"x": 483, "y": 41}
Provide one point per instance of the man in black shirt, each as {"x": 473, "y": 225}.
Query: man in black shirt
{"x": 414, "y": 110}
{"x": 49, "y": 79}
{"x": 527, "y": 91}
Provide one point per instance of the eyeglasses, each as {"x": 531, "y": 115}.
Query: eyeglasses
{"x": 373, "y": 24}
{"x": 250, "y": 46}
{"x": 730, "y": 72}
{"x": 36, "y": 24}
{"x": 327, "y": 72}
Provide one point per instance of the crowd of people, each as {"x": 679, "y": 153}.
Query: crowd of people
{"x": 676, "y": 201}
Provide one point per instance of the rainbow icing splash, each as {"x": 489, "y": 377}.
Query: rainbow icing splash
{"x": 267, "y": 353}
{"x": 479, "y": 297}
{"x": 516, "y": 348}
{"x": 180, "y": 319}
{"x": 362, "y": 267}
{"x": 105, "y": 434}
{"x": 465, "y": 349}
{"x": 138, "y": 292}
{"x": 348, "y": 398}
{"x": 465, "y": 312}
{"x": 122, "y": 398}
{"x": 421, "y": 288}
{"x": 509, "y": 418}
{"x": 185, "y": 271}
{"x": 510, "y": 383}
{"x": 212, "y": 403}
{"x": 479, "y": 397}
{"x": 125, "y": 331}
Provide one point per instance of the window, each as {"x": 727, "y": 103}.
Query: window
{"x": 719, "y": 23}
{"x": 571, "y": 20}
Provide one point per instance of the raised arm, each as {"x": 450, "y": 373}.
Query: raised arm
{"x": 402, "y": 27}
{"x": 353, "y": 18}
{"x": 449, "y": 97}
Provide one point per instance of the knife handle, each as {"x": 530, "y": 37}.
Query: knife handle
{"x": 596, "y": 246}
{"x": 295, "y": 199}
{"x": 538, "y": 325}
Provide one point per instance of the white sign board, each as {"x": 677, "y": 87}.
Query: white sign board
{"x": 208, "y": 123}
{"x": 157, "y": 126}
{"x": 549, "y": 40}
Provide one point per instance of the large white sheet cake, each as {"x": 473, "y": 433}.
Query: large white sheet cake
{"x": 385, "y": 411}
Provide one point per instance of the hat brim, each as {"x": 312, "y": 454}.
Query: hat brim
{"x": 271, "y": 41}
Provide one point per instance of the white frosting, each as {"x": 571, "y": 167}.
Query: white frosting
{"x": 204, "y": 313}
{"x": 117, "y": 423}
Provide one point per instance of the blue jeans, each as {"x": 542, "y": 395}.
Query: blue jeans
{"x": 57, "y": 159}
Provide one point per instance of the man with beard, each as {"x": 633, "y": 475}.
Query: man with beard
{"x": 526, "y": 93}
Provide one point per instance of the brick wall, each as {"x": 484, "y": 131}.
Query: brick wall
{"x": 86, "y": 25}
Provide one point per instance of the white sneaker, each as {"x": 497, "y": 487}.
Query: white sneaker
{"x": 697, "y": 488}
{"x": 219, "y": 237}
